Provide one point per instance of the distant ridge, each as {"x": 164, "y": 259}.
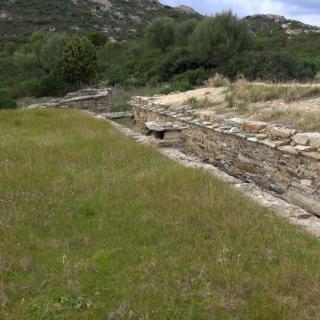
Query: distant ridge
{"x": 117, "y": 18}
{"x": 269, "y": 23}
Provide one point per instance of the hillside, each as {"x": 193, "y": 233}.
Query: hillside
{"x": 272, "y": 24}
{"x": 119, "y": 19}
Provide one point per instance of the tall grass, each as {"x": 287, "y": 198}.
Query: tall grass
{"x": 94, "y": 226}
{"x": 247, "y": 92}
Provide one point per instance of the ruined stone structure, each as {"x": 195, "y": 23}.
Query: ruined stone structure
{"x": 276, "y": 158}
{"x": 94, "y": 100}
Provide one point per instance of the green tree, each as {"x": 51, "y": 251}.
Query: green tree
{"x": 160, "y": 34}
{"x": 27, "y": 62}
{"x": 270, "y": 65}
{"x": 218, "y": 39}
{"x": 79, "y": 61}
{"x": 184, "y": 31}
{"x": 98, "y": 39}
{"x": 51, "y": 52}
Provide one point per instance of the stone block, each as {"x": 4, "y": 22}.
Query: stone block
{"x": 304, "y": 201}
{"x": 288, "y": 149}
{"x": 254, "y": 126}
{"x": 280, "y": 132}
{"x": 308, "y": 138}
{"x": 300, "y": 148}
{"x": 172, "y": 135}
{"x": 234, "y": 122}
{"x": 206, "y": 115}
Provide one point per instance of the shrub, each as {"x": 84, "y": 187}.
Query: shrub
{"x": 177, "y": 61}
{"x": 199, "y": 104}
{"x": 218, "y": 80}
{"x": 181, "y": 86}
{"x": 50, "y": 85}
{"x": 166, "y": 89}
{"x": 268, "y": 65}
{"x": 160, "y": 34}
{"x": 51, "y": 52}
{"x": 184, "y": 30}
{"x": 193, "y": 77}
{"x": 98, "y": 39}
{"x": 230, "y": 100}
{"x": 216, "y": 40}
{"x": 6, "y": 100}
{"x": 79, "y": 61}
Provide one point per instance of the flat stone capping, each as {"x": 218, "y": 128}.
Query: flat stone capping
{"x": 118, "y": 115}
{"x": 163, "y": 127}
{"x": 276, "y": 158}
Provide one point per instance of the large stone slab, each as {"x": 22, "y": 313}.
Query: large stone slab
{"x": 163, "y": 127}
{"x": 254, "y": 126}
{"x": 298, "y": 198}
{"x": 280, "y": 132}
{"x": 307, "y": 138}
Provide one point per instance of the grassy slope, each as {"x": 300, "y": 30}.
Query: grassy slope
{"x": 94, "y": 226}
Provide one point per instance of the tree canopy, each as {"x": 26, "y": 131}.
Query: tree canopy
{"x": 160, "y": 34}
{"x": 218, "y": 39}
{"x": 79, "y": 61}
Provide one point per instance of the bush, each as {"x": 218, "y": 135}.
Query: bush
{"x": 166, "y": 89}
{"x": 6, "y": 100}
{"x": 218, "y": 80}
{"x": 216, "y": 40}
{"x": 160, "y": 34}
{"x": 98, "y": 39}
{"x": 182, "y": 86}
{"x": 177, "y": 61}
{"x": 184, "y": 31}
{"x": 79, "y": 61}
{"x": 193, "y": 77}
{"x": 51, "y": 85}
{"x": 51, "y": 52}
{"x": 267, "y": 65}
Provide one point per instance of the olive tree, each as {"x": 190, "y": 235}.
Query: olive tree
{"x": 160, "y": 34}
{"x": 218, "y": 39}
{"x": 51, "y": 51}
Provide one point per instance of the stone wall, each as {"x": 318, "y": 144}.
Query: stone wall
{"x": 268, "y": 155}
{"x": 98, "y": 101}
{"x": 94, "y": 100}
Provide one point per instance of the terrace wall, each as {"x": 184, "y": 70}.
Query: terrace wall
{"x": 249, "y": 151}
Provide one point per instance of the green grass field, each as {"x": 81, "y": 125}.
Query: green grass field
{"x": 95, "y": 226}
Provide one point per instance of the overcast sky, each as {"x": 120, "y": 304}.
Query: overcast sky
{"x": 307, "y": 11}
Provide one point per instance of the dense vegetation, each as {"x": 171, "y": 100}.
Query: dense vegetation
{"x": 89, "y": 231}
{"x": 176, "y": 55}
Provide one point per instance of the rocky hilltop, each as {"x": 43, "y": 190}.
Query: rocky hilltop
{"x": 268, "y": 23}
{"x": 120, "y": 19}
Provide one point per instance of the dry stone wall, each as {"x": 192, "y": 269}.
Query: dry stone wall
{"x": 276, "y": 158}
{"x": 94, "y": 100}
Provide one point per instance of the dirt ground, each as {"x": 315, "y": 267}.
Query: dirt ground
{"x": 213, "y": 94}
{"x": 302, "y": 114}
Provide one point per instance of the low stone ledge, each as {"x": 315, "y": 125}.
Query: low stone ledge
{"x": 118, "y": 115}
